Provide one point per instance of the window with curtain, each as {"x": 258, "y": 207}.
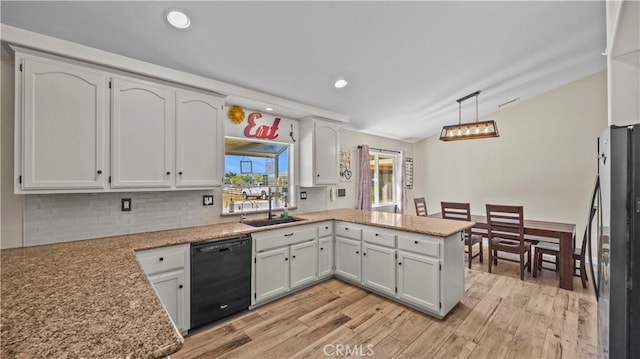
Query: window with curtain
{"x": 385, "y": 178}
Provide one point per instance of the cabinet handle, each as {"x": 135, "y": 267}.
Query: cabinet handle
{"x": 346, "y": 228}
{"x": 399, "y": 263}
{"x": 161, "y": 259}
{"x": 180, "y": 173}
{"x": 293, "y": 256}
{"x": 99, "y": 172}
{"x": 168, "y": 173}
{"x": 286, "y": 259}
{"x": 288, "y": 234}
{"x": 364, "y": 254}
{"x": 357, "y": 252}
{"x": 180, "y": 286}
{"x": 416, "y": 242}
{"x": 377, "y": 234}
{"x": 317, "y": 175}
{"x": 321, "y": 248}
{"x": 327, "y": 227}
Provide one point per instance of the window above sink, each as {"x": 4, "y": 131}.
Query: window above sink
{"x": 253, "y": 169}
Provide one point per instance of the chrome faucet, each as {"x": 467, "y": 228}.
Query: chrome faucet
{"x": 243, "y": 215}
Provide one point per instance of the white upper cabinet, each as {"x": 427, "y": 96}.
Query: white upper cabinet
{"x": 319, "y": 146}
{"x": 199, "y": 140}
{"x": 60, "y": 126}
{"x": 142, "y": 119}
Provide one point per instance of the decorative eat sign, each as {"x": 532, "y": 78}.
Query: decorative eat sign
{"x": 264, "y": 132}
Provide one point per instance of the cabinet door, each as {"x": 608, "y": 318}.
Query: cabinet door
{"x": 379, "y": 268}
{"x": 419, "y": 280}
{"x": 325, "y": 256}
{"x": 64, "y": 113}
{"x": 348, "y": 259}
{"x": 272, "y": 273}
{"x": 142, "y": 134}
{"x": 326, "y": 153}
{"x": 304, "y": 263}
{"x": 199, "y": 140}
{"x": 170, "y": 287}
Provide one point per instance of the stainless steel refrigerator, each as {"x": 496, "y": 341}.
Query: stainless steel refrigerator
{"x": 617, "y": 237}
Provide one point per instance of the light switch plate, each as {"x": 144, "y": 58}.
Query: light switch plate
{"x": 207, "y": 200}
{"x": 126, "y": 204}
{"x": 303, "y": 195}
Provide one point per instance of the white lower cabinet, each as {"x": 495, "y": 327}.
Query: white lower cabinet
{"x": 170, "y": 289}
{"x": 325, "y": 257}
{"x": 304, "y": 263}
{"x": 272, "y": 273}
{"x": 419, "y": 280}
{"x": 379, "y": 268}
{"x": 285, "y": 259}
{"x": 419, "y": 270}
{"x": 348, "y": 259}
{"x": 168, "y": 270}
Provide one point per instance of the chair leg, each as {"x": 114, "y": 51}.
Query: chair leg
{"x": 495, "y": 257}
{"x": 583, "y": 274}
{"x": 490, "y": 258}
{"x": 529, "y": 262}
{"x": 522, "y": 266}
{"x": 557, "y": 262}
{"x": 481, "y": 251}
{"x": 535, "y": 264}
{"x": 470, "y": 250}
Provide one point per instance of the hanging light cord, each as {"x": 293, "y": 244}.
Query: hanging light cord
{"x": 460, "y": 100}
{"x": 477, "y": 93}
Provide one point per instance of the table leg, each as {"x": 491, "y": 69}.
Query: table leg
{"x": 566, "y": 261}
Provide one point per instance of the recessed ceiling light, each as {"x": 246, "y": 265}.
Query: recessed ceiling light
{"x": 178, "y": 19}
{"x": 340, "y": 83}
{"x": 268, "y": 109}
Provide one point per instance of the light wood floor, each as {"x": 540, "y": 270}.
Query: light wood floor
{"x": 499, "y": 317}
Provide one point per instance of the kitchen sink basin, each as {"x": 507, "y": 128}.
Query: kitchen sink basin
{"x": 271, "y": 222}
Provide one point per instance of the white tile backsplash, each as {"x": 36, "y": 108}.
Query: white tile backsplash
{"x": 56, "y": 218}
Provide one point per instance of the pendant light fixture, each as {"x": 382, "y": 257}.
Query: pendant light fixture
{"x": 469, "y": 131}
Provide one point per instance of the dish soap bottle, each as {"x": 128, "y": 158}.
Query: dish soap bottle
{"x": 285, "y": 213}
{"x": 231, "y": 205}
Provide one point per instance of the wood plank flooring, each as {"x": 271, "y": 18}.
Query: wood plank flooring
{"x": 499, "y": 317}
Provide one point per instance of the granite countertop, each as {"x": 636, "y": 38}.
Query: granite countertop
{"x": 91, "y": 298}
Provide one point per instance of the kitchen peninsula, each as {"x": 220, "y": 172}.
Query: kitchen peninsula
{"x": 91, "y": 297}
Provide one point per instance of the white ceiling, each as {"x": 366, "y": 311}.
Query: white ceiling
{"x": 406, "y": 62}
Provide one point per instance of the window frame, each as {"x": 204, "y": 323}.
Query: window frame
{"x": 277, "y": 205}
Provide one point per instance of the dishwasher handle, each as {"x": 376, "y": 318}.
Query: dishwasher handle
{"x": 221, "y": 245}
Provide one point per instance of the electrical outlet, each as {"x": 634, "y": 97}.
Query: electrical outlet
{"x": 126, "y": 204}
{"x": 303, "y": 195}
{"x": 207, "y": 200}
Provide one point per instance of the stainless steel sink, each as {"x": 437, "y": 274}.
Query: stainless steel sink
{"x": 271, "y": 222}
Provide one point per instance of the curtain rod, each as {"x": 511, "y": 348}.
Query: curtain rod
{"x": 380, "y": 149}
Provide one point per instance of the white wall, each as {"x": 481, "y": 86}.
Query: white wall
{"x": 11, "y": 205}
{"x": 351, "y": 140}
{"x": 544, "y": 159}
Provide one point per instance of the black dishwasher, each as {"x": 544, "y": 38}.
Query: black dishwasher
{"x": 220, "y": 278}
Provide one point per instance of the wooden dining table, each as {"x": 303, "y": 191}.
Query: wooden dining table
{"x": 562, "y": 233}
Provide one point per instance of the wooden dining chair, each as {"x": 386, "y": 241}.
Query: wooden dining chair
{"x": 579, "y": 254}
{"x": 421, "y": 206}
{"x": 506, "y": 234}
{"x": 462, "y": 212}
